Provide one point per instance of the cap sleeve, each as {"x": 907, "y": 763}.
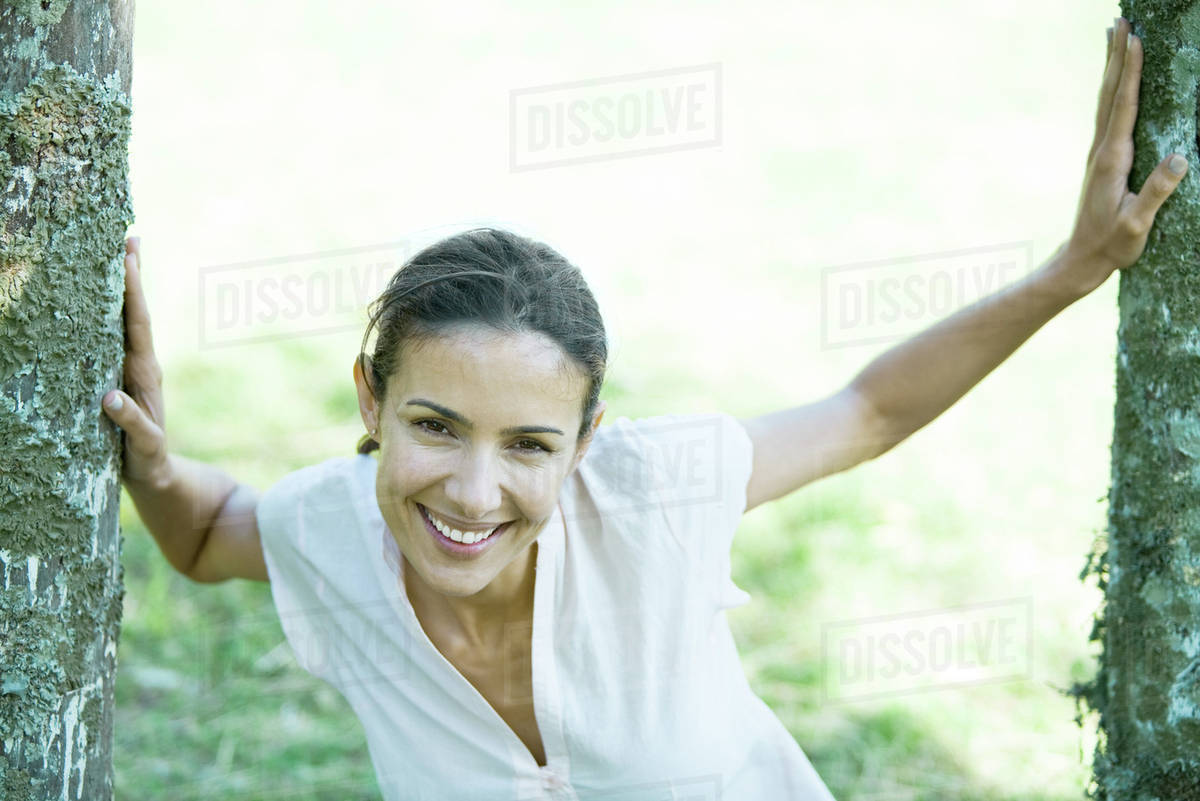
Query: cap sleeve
{"x": 739, "y": 466}
{"x": 293, "y": 572}
{"x": 696, "y": 468}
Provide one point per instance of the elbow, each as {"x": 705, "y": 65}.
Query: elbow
{"x": 888, "y": 434}
{"x": 881, "y": 432}
{"x": 199, "y": 578}
{"x": 887, "y": 428}
{"x": 196, "y": 570}
{"x": 205, "y": 572}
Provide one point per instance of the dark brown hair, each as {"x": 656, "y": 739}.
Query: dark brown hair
{"x": 495, "y": 278}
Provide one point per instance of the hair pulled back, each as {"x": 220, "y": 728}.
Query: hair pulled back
{"x": 492, "y": 277}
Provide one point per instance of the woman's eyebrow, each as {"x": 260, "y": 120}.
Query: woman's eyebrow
{"x": 458, "y": 418}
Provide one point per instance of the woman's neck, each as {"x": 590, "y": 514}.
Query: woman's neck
{"x": 477, "y": 621}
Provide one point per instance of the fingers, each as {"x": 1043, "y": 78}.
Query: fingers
{"x": 137, "y": 314}
{"x": 1125, "y": 99}
{"x": 1104, "y": 101}
{"x": 1158, "y": 187}
{"x": 143, "y": 435}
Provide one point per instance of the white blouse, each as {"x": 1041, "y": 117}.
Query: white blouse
{"x": 638, "y": 690}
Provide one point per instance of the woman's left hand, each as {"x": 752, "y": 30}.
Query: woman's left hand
{"x": 1112, "y": 223}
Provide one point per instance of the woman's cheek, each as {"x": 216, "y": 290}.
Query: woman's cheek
{"x": 407, "y": 472}
{"x": 389, "y": 482}
{"x": 539, "y": 487}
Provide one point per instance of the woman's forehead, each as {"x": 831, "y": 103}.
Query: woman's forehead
{"x": 477, "y": 364}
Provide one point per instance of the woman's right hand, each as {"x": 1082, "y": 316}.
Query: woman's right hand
{"x": 139, "y": 411}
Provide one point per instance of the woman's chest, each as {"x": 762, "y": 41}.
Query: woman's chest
{"x": 506, "y": 683}
{"x": 622, "y": 685}
{"x": 503, "y": 674}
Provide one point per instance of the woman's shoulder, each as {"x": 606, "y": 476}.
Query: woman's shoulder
{"x": 329, "y": 485}
{"x": 709, "y": 436}
{"x": 298, "y": 515}
{"x": 335, "y": 468}
{"x": 664, "y": 456}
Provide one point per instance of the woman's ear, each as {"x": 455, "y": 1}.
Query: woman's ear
{"x": 367, "y": 404}
{"x": 587, "y": 441}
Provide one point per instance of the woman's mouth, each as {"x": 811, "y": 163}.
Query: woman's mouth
{"x": 457, "y": 542}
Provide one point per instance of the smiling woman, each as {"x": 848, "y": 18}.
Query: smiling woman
{"x": 536, "y": 608}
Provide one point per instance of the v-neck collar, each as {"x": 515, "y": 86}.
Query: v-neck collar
{"x": 547, "y": 705}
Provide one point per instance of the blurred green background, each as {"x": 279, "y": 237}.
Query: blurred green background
{"x": 850, "y": 132}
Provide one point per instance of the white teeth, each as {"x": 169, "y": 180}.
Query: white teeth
{"x": 469, "y": 538}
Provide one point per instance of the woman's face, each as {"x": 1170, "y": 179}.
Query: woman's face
{"x": 477, "y": 430}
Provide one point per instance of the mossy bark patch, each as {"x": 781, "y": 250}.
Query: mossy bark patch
{"x": 1148, "y": 564}
{"x": 64, "y": 131}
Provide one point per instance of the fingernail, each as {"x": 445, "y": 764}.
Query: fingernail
{"x": 1177, "y": 164}
{"x": 113, "y": 401}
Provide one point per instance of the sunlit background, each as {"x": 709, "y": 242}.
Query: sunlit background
{"x": 848, "y": 132}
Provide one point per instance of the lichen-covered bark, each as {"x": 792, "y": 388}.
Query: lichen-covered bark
{"x": 1147, "y": 689}
{"x": 64, "y": 209}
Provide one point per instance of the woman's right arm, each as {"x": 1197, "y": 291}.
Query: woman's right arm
{"x": 202, "y": 519}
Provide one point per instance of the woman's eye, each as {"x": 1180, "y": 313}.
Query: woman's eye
{"x": 432, "y": 426}
{"x": 526, "y": 445}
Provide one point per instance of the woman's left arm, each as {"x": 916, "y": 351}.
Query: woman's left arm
{"x": 909, "y": 385}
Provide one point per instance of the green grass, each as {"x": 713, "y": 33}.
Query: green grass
{"x": 205, "y": 712}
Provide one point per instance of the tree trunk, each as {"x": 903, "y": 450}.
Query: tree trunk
{"x": 1147, "y": 689}
{"x": 64, "y": 209}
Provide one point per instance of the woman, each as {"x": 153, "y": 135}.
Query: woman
{"x": 519, "y": 603}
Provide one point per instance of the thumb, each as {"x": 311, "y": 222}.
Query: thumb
{"x": 123, "y": 410}
{"x": 1158, "y": 187}
{"x": 114, "y": 405}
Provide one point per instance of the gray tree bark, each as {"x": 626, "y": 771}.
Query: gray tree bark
{"x": 1147, "y": 688}
{"x": 64, "y": 208}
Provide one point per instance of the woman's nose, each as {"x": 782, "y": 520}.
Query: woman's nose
{"x": 475, "y": 486}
